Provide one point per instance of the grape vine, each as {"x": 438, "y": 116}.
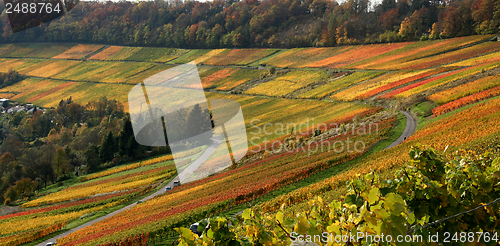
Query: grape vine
{"x": 435, "y": 192}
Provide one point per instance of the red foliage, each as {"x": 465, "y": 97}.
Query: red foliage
{"x": 136, "y": 240}
{"x": 466, "y": 101}
{"x": 409, "y": 87}
{"x": 109, "y": 180}
{"x": 389, "y": 18}
{"x": 31, "y": 235}
{"x": 398, "y": 83}
{"x": 70, "y": 204}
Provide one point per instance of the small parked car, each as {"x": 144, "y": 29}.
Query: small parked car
{"x": 176, "y": 183}
{"x": 50, "y": 244}
{"x": 194, "y": 229}
{"x": 168, "y": 188}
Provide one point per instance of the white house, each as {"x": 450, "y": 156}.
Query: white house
{"x": 15, "y": 109}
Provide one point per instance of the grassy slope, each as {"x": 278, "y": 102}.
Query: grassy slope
{"x": 96, "y": 215}
{"x": 433, "y": 119}
{"x": 420, "y": 109}
{"x": 316, "y": 177}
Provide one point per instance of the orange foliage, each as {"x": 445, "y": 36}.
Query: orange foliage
{"x": 48, "y": 92}
{"x": 213, "y": 78}
{"x": 357, "y": 54}
{"x": 79, "y": 51}
{"x": 106, "y": 53}
{"x": 466, "y": 101}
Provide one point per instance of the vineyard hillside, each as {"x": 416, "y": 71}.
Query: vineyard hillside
{"x": 298, "y": 106}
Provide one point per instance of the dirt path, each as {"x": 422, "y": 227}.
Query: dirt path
{"x": 9, "y": 210}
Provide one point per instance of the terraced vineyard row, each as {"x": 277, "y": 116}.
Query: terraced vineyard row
{"x": 228, "y": 188}
{"x": 281, "y": 112}
{"x": 409, "y": 55}
{"x": 131, "y": 65}
{"x": 48, "y": 92}
{"x": 472, "y": 125}
{"x": 106, "y": 190}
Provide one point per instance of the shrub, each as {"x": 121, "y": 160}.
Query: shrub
{"x": 272, "y": 70}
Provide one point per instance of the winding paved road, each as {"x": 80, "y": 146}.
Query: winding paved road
{"x": 411, "y": 126}
{"x": 201, "y": 159}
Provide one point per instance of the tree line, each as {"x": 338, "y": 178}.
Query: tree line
{"x": 49, "y": 146}
{"x": 266, "y": 23}
{"x": 9, "y": 78}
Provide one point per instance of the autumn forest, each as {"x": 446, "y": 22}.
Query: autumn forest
{"x": 273, "y": 23}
